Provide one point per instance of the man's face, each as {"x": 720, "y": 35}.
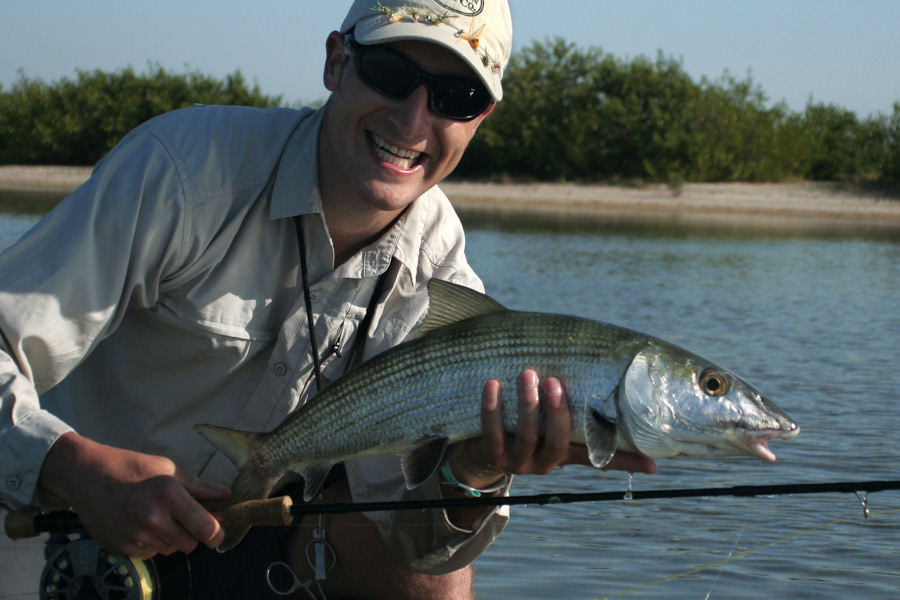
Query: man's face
{"x": 386, "y": 152}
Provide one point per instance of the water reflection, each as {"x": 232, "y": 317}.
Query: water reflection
{"x": 679, "y": 227}
{"x": 28, "y": 202}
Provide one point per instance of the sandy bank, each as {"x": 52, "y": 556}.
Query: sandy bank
{"x": 696, "y": 202}
{"x": 42, "y": 179}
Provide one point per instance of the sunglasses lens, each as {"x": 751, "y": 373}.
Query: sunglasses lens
{"x": 394, "y": 75}
{"x": 461, "y": 99}
{"x": 387, "y": 72}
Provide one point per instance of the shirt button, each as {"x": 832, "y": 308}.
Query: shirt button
{"x": 13, "y": 483}
{"x": 280, "y": 369}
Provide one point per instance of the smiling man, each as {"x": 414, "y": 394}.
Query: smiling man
{"x": 221, "y": 265}
{"x": 392, "y": 129}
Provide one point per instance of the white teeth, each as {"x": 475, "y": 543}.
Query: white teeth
{"x": 395, "y": 155}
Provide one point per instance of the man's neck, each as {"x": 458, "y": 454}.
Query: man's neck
{"x": 351, "y": 232}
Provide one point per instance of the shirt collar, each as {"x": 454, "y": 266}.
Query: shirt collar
{"x": 296, "y": 188}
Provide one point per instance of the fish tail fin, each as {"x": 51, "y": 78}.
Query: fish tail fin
{"x": 250, "y": 483}
{"x": 234, "y": 444}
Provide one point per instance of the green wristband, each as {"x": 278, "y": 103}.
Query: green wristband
{"x": 468, "y": 490}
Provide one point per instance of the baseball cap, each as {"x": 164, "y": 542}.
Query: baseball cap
{"x": 478, "y": 31}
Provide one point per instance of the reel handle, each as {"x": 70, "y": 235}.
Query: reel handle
{"x": 19, "y": 524}
{"x": 31, "y": 522}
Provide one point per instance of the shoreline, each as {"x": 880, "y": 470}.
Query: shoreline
{"x": 764, "y": 204}
{"x": 745, "y": 203}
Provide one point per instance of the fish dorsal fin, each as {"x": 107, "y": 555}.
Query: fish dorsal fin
{"x": 450, "y": 303}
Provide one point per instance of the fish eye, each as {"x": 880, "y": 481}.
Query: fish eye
{"x": 713, "y": 383}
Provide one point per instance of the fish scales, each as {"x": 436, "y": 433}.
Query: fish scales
{"x": 433, "y": 389}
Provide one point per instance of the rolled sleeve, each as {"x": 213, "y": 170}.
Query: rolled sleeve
{"x": 425, "y": 541}
{"x": 450, "y": 547}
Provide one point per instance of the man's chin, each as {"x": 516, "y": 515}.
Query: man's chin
{"x": 395, "y": 195}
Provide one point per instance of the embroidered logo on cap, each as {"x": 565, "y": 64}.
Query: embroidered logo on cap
{"x": 469, "y": 8}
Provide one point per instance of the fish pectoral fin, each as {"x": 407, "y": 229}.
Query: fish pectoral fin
{"x": 450, "y": 303}
{"x": 600, "y": 436}
{"x": 420, "y": 462}
{"x": 314, "y": 476}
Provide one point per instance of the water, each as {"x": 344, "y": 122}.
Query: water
{"x": 812, "y": 317}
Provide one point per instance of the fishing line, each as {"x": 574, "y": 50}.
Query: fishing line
{"x": 744, "y": 554}
{"x": 730, "y": 554}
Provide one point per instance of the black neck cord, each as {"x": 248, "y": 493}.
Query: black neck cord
{"x": 364, "y": 326}
{"x": 304, "y": 274}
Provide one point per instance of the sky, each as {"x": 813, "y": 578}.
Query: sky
{"x": 841, "y": 52}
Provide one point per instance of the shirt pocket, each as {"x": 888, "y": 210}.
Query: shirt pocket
{"x": 229, "y": 315}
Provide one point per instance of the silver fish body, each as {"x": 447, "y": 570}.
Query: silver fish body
{"x": 626, "y": 391}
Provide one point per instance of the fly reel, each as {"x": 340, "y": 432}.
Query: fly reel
{"x": 82, "y": 570}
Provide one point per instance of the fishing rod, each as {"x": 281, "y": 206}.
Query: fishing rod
{"x": 281, "y": 510}
{"x": 80, "y": 563}
{"x": 856, "y": 487}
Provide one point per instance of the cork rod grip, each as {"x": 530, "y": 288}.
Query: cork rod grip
{"x": 270, "y": 511}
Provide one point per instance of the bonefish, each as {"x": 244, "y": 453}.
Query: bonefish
{"x": 626, "y": 390}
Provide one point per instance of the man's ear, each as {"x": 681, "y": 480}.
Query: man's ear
{"x": 335, "y": 58}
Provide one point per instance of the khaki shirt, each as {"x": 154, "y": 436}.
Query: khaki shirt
{"x": 165, "y": 292}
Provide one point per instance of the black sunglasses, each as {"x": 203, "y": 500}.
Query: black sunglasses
{"x": 392, "y": 74}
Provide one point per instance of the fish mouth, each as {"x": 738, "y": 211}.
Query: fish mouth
{"x": 756, "y": 443}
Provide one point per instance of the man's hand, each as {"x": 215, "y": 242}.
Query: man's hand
{"x": 482, "y": 461}
{"x": 134, "y": 504}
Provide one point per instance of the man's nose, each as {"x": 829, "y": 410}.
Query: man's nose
{"x": 412, "y": 113}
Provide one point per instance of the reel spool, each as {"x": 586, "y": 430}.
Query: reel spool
{"x": 83, "y": 570}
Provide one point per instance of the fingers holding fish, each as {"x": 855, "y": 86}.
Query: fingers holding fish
{"x": 479, "y": 461}
{"x": 493, "y": 439}
{"x": 555, "y": 447}
{"x": 542, "y": 440}
{"x": 544, "y": 426}
{"x": 520, "y": 459}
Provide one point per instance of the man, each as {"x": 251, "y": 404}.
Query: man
{"x": 218, "y": 265}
